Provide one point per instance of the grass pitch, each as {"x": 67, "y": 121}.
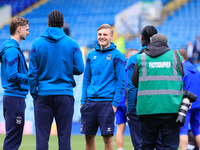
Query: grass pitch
{"x": 77, "y": 142}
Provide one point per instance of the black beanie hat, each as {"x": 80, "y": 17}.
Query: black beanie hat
{"x": 146, "y": 33}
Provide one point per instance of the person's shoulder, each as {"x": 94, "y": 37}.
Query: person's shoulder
{"x": 11, "y": 50}
{"x": 133, "y": 58}
{"x": 38, "y": 40}
{"x": 118, "y": 53}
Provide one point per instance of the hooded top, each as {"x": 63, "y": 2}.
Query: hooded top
{"x": 124, "y": 95}
{"x": 192, "y": 81}
{"x": 132, "y": 90}
{"x": 13, "y": 70}
{"x": 104, "y": 76}
{"x": 54, "y": 59}
{"x": 156, "y": 48}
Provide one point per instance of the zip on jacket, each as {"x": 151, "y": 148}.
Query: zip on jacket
{"x": 104, "y": 76}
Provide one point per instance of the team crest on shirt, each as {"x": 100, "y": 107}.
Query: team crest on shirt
{"x": 19, "y": 120}
{"x": 108, "y": 58}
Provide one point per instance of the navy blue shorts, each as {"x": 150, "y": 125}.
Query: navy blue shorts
{"x": 95, "y": 114}
{"x": 120, "y": 115}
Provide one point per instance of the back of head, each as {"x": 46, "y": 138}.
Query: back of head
{"x": 159, "y": 37}
{"x": 106, "y": 26}
{"x": 183, "y": 53}
{"x": 146, "y": 33}
{"x": 56, "y": 19}
{"x": 16, "y": 22}
{"x": 130, "y": 51}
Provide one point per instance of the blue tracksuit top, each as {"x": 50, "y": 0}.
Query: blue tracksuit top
{"x": 104, "y": 76}
{"x": 14, "y": 70}
{"x": 123, "y": 98}
{"x": 192, "y": 81}
{"x": 131, "y": 89}
{"x": 54, "y": 59}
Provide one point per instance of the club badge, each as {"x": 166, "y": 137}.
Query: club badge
{"x": 108, "y": 58}
{"x": 19, "y": 120}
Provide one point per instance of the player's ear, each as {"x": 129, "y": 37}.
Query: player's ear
{"x": 49, "y": 25}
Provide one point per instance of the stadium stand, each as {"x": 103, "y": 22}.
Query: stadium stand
{"x": 18, "y": 5}
{"x": 180, "y": 27}
{"x": 83, "y": 16}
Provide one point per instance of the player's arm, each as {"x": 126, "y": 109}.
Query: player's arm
{"x": 132, "y": 90}
{"x": 12, "y": 62}
{"x": 33, "y": 73}
{"x": 86, "y": 80}
{"x": 119, "y": 66}
{"x": 135, "y": 76}
{"x": 78, "y": 65}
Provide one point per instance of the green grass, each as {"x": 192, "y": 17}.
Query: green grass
{"x": 77, "y": 142}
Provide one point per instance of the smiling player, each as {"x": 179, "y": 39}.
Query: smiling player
{"x": 103, "y": 85}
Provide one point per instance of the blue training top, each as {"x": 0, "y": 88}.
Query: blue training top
{"x": 13, "y": 70}
{"x": 123, "y": 99}
{"x": 54, "y": 59}
{"x": 132, "y": 90}
{"x": 104, "y": 77}
{"x": 192, "y": 81}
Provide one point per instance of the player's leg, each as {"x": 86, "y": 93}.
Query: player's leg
{"x": 90, "y": 142}
{"x": 108, "y": 141}
{"x": 63, "y": 112}
{"x": 43, "y": 111}
{"x": 119, "y": 135}
{"x": 14, "y": 110}
{"x": 195, "y": 115}
{"x": 184, "y": 132}
{"x": 89, "y": 123}
{"x": 121, "y": 126}
{"x": 135, "y": 129}
{"x": 106, "y": 117}
{"x": 183, "y": 142}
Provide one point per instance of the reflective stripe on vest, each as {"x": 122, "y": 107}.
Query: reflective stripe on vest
{"x": 144, "y": 77}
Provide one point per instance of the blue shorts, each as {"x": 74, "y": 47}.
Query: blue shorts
{"x": 95, "y": 114}
{"x": 120, "y": 115}
{"x": 192, "y": 117}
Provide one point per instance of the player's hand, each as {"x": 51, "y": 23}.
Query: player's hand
{"x": 114, "y": 109}
{"x": 82, "y": 105}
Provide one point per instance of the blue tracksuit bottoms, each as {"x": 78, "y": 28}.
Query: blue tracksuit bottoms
{"x": 135, "y": 131}
{"x": 45, "y": 109}
{"x": 13, "y": 110}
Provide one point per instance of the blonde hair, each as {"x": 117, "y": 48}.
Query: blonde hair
{"x": 106, "y": 26}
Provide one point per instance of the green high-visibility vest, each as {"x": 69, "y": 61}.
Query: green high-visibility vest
{"x": 160, "y": 84}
